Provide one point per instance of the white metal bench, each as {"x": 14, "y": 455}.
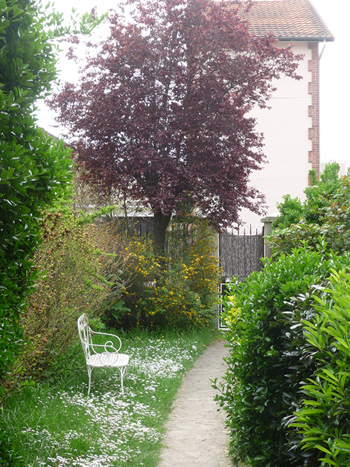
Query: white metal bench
{"x": 105, "y": 355}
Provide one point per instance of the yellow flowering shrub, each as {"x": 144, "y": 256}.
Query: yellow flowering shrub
{"x": 179, "y": 292}
{"x": 232, "y": 311}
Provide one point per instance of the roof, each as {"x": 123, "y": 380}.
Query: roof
{"x": 288, "y": 20}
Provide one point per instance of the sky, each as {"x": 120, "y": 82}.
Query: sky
{"x": 334, "y": 82}
{"x": 334, "y": 76}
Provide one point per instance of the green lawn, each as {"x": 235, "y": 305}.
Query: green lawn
{"x": 55, "y": 423}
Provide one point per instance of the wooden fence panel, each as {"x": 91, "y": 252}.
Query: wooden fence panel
{"x": 240, "y": 254}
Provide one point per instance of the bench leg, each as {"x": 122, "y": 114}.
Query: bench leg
{"x": 122, "y": 373}
{"x": 89, "y": 370}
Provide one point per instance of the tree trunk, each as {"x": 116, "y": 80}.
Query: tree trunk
{"x": 160, "y": 225}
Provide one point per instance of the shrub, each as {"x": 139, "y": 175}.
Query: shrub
{"x": 320, "y": 193}
{"x": 268, "y": 358}
{"x": 291, "y": 210}
{"x": 295, "y": 236}
{"x": 33, "y": 169}
{"x": 333, "y": 225}
{"x": 317, "y": 198}
{"x": 179, "y": 290}
{"x": 325, "y": 213}
{"x": 76, "y": 272}
{"x": 323, "y": 419}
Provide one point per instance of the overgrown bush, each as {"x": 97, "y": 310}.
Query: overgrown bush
{"x": 323, "y": 419}
{"x": 269, "y": 356}
{"x": 325, "y": 213}
{"x": 272, "y": 356}
{"x": 317, "y": 197}
{"x": 77, "y": 271}
{"x": 333, "y": 225}
{"x": 178, "y": 290}
{"x": 33, "y": 168}
{"x": 290, "y": 212}
{"x": 320, "y": 193}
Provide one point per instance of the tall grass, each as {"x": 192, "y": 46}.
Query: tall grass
{"x": 54, "y": 423}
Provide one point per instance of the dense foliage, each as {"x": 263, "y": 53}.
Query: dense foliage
{"x": 161, "y": 113}
{"x": 85, "y": 266}
{"x": 78, "y": 268}
{"x": 323, "y": 419}
{"x": 324, "y": 213}
{"x": 180, "y": 290}
{"x": 33, "y": 167}
{"x": 270, "y": 357}
{"x": 317, "y": 197}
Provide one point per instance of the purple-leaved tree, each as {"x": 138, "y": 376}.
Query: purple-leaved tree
{"x": 161, "y": 111}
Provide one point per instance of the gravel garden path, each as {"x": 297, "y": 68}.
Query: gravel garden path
{"x": 195, "y": 431}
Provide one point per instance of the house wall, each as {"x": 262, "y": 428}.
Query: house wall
{"x": 291, "y": 135}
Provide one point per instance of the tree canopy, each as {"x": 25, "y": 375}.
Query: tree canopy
{"x": 161, "y": 113}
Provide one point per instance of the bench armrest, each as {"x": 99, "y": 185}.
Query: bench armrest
{"x": 107, "y": 346}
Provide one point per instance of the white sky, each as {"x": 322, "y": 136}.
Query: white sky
{"x": 335, "y": 73}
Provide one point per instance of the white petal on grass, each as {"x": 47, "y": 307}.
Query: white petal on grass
{"x": 116, "y": 420}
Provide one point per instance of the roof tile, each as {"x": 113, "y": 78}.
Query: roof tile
{"x": 294, "y": 20}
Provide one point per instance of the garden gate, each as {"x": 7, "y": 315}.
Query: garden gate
{"x": 240, "y": 255}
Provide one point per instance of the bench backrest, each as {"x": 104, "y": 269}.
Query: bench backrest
{"x": 85, "y": 334}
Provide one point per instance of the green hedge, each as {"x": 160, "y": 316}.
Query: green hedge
{"x": 270, "y": 356}
{"x": 323, "y": 419}
{"x": 33, "y": 167}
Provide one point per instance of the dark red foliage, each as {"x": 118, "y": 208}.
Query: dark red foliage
{"x": 161, "y": 113}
